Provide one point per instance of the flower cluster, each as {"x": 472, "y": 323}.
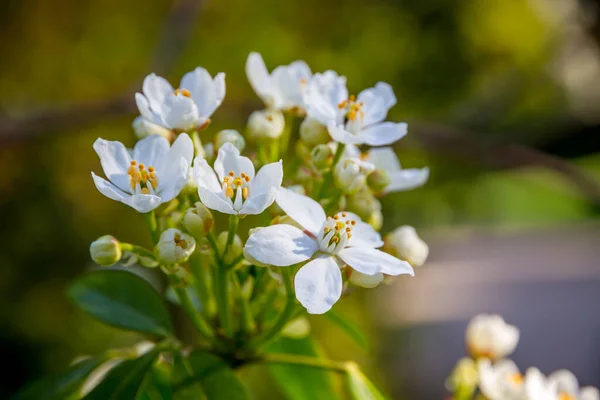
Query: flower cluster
{"x": 488, "y": 371}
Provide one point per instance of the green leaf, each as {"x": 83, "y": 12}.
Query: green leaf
{"x": 217, "y": 379}
{"x": 349, "y": 327}
{"x": 122, "y": 299}
{"x": 157, "y": 385}
{"x": 361, "y": 387}
{"x": 124, "y": 380}
{"x": 60, "y": 387}
{"x": 300, "y": 382}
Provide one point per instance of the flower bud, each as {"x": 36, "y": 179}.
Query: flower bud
{"x": 303, "y": 151}
{"x": 322, "y": 156}
{"x": 235, "y": 249}
{"x": 366, "y": 281}
{"x": 297, "y": 328}
{"x": 405, "y": 244}
{"x": 464, "y": 377}
{"x": 313, "y": 133}
{"x": 265, "y": 125}
{"x": 378, "y": 180}
{"x": 351, "y": 174}
{"x": 174, "y": 246}
{"x": 106, "y": 251}
{"x": 364, "y": 204}
{"x": 376, "y": 219}
{"x": 230, "y": 136}
{"x": 198, "y": 220}
{"x": 491, "y": 337}
{"x": 142, "y": 128}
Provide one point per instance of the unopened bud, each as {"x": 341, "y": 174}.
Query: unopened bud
{"x": 265, "y": 124}
{"x": 198, "y": 220}
{"x": 313, "y": 132}
{"x": 143, "y": 127}
{"x": 351, "y": 174}
{"x": 366, "y": 281}
{"x": 378, "y": 180}
{"x": 230, "y": 136}
{"x": 376, "y": 219}
{"x": 174, "y": 246}
{"x": 106, "y": 251}
{"x": 405, "y": 244}
{"x": 464, "y": 377}
{"x": 363, "y": 203}
{"x": 235, "y": 249}
{"x": 322, "y": 156}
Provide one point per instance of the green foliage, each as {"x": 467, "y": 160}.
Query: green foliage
{"x": 157, "y": 385}
{"x": 348, "y": 326}
{"x": 122, "y": 299}
{"x": 360, "y": 386}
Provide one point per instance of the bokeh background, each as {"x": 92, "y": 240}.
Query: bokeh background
{"x": 503, "y": 103}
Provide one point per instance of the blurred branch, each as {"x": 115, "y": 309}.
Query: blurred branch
{"x": 177, "y": 30}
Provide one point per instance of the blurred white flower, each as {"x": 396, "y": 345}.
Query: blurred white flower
{"x": 404, "y": 243}
{"x": 143, "y": 127}
{"x": 503, "y": 381}
{"x": 568, "y": 387}
{"x": 490, "y": 337}
{"x": 265, "y": 124}
{"x": 234, "y": 189}
{"x": 328, "y": 243}
{"x": 189, "y": 107}
{"x": 282, "y": 89}
{"x": 152, "y": 174}
{"x": 400, "y": 179}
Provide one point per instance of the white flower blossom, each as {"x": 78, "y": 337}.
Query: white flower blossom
{"x": 568, "y": 387}
{"x": 282, "y": 89}
{"x": 152, "y": 174}
{"x": 404, "y": 243}
{"x": 327, "y": 243}
{"x": 490, "y": 337}
{"x": 234, "y": 189}
{"x": 188, "y": 107}
{"x": 503, "y": 381}
{"x": 351, "y": 119}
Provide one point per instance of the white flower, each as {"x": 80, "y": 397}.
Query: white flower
{"x": 404, "y": 243}
{"x": 400, "y": 179}
{"x": 350, "y": 174}
{"x": 328, "y": 243}
{"x": 490, "y": 337}
{"x": 350, "y": 119}
{"x": 503, "y": 381}
{"x": 568, "y": 387}
{"x": 282, "y": 89}
{"x": 186, "y": 108}
{"x": 234, "y": 189}
{"x": 152, "y": 174}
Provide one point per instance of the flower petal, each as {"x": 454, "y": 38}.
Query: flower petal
{"x": 363, "y": 234}
{"x": 209, "y": 188}
{"x": 318, "y": 284}
{"x": 302, "y": 209}
{"x": 229, "y": 159}
{"x": 259, "y": 78}
{"x": 115, "y": 161}
{"x": 339, "y": 134}
{"x": 156, "y": 89}
{"x": 280, "y": 245}
{"x": 264, "y": 188}
{"x": 565, "y": 381}
{"x": 144, "y": 107}
{"x": 151, "y": 150}
{"x": 108, "y": 189}
{"x": 376, "y": 102}
{"x": 589, "y": 393}
{"x": 169, "y": 166}
{"x": 206, "y": 93}
{"x": 407, "y": 179}
{"x": 174, "y": 179}
{"x": 366, "y": 281}
{"x": 371, "y": 261}
{"x": 384, "y": 158}
{"x": 142, "y": 202}
{"x": 180, "y": 112}
{"x": 383, "y": 134}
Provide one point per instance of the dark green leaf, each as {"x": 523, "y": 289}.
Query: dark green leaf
{"x": 349, "y": 327}
{"x": 122, "y": 299}
{"x": 157, "y": 385}
{"x": 124, "y": 380}
{"x": 361, "y": 387}
{"x": 60, "y": 387}
{"x": 298, "y": 382}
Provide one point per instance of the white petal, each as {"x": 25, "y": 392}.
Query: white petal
{"x": 258, "y": 203}
{"x": 371, "y": 261}
{"x": 210, "y": 191}
{"x": 168, "y": 166}
{"x": 156, "y": 89}
{"x": 174, "y": 179}
{"x": 180, "y": 112}
{"x": 264, "y": 188}
{"x": 229, "y": 159}
{"x": 219, "y": 89}
{"x": 384, "y": 133}
{"x": 259, "y": 78}
{"x": 407, "y": 179}
{"x": 363, "y": 234}
{"x": 366, "y": 281}
{"x": 144, "y": 107}
{"x": 216, "y": 202}
{"x": 384, "y": 158}
{"x": 151, "y": 150}
{"x": 589, "y": 393}
{"x": 565, "y": 381}
{"x": 302, "y": 209}
{"x": 376, "y": 102}
{"x": 206, "y": 93}
{"x": 339, "y": 134}
{"x": 108, "y": 189}
{"x": 142, "y": 202}
{"x": 318, "y": 285}
{"x": 280, "y": 245}
{"x": 115, "y": 161}
{"x": 286, "y": 87}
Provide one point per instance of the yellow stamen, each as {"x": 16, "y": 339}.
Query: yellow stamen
{"x": 145, "y": 190}
{"x": 229, "y": 192}
{"x": 151, "y": 169}
{"x": 335, "y": 239}
{"x": 349, "y": 235}
{"x": 566, "y": 396}
{"x": 353, "y": 222}
{"x": 237, "y": 181}
{"x": 231, "y": 174}
{"x": 336, "y": 217}
{"x": 247, "y": 178}
{"x": 516, "y": 378}
{"x": 344, "y": 214}
{"x": 183, "y": 92}
{"x": 348, "y": 229}
{"x": 245, "y": 192}
{"x": 339, "y": 225}
{"x": 326, "y": 229}
{"x": 141, "y": 167}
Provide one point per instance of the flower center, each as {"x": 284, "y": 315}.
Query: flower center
{"x": 335, "y": 233}
{"x": 353, "y": 108}
{"x": 237, "y": 188}
{"x": 566, "y": 396}
{"x": 142, "y": 180}
{"x": 179, "y": 242}
{"x": 516, "y": 379}
{"x": 183, "y": 92}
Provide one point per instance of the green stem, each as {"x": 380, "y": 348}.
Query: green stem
{"x": 201, "y": 284}
{"x": 223, "y": 308}
{"x": 274, "y": 151}
{"x": 153, "y": 225}
{"x": 194, "y": 315}
{"x": 235, "y": 262}
{"x": 293, "y": 359}
{"x": 212, "y": 241}
{"x": 232, "y": 230}
{"x": 247, "y": 323}
{"x": 137, "y": 250}
{"x": 329, "y": 177}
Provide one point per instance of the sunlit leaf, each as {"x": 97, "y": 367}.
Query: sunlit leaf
{"x": 122, "y": 299}
{"x": 361, "y": 387}
{"x": 349, "y": 327}
{"x": 157, "y": 385}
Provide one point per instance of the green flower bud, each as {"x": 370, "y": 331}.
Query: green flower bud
{"x": 322, "y": 156}
{"x": 174, "y": 246}
{"x": 376, "y": 219}
{"x": 378, "y": 180}
{"x": 235, "y": 249}
{"x": 313, "y": 132}
{"x": 142, "y": 128}
{"x": 350, "y": 175}
{"x": 198, "y": 221}
{"x": 464, "y": 378}
{"x": 265, "y": 125}
{"x": 363, "y": 203}
{"x": 230, "y": 136}
{"x": 106, "y": 251}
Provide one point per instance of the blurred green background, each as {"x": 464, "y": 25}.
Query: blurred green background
{"x": 501, "y": 96}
